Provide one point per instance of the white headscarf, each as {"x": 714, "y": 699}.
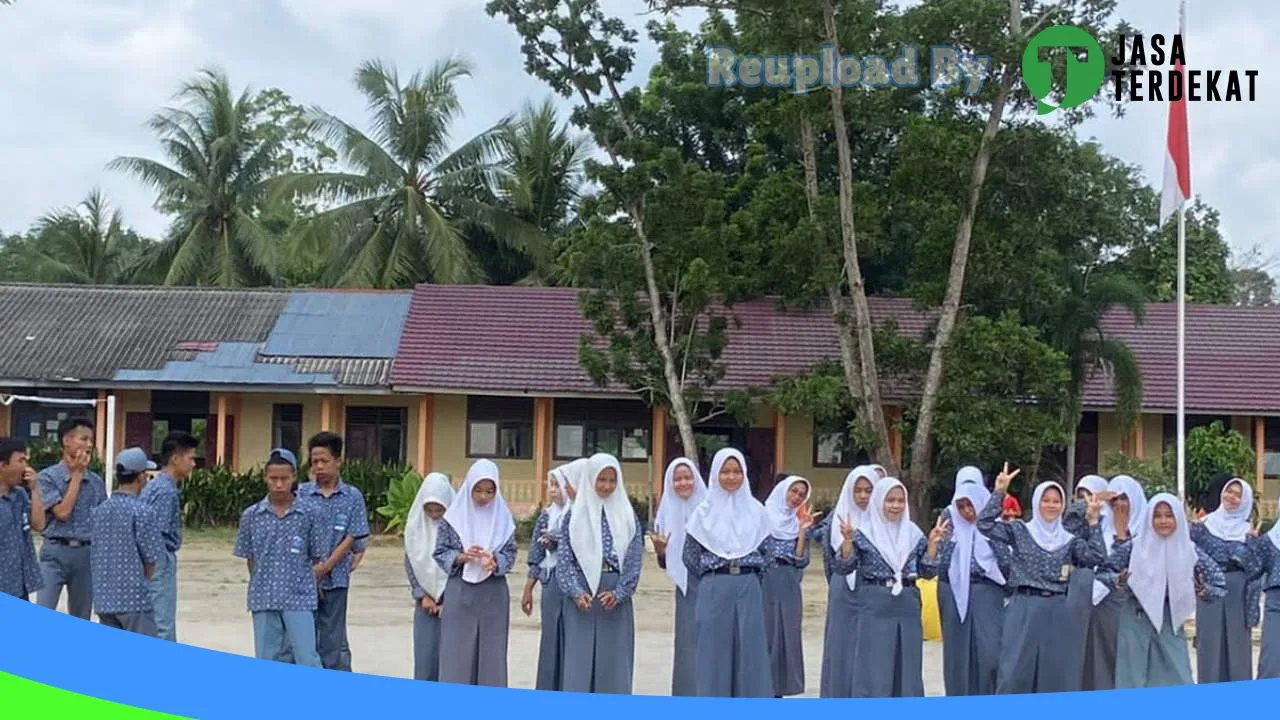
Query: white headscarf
{"x": 673, "y": 515}
{"x": 488, "y": 527}
{"x": 969, "y": 474}
{"x": 1094, "y": 484}
{"x": 786, "y": 526}
{"x": 970, "y": 545}
{"x": 878, "y": 469}
{"x": 584, "y": 522}
{"x": 846, "y": 509}
{"x": 556, "y": 510}
{"x": 1050, "y": 536}
{"x": 1274, "y": 535}
{"x": 1164, "y": 565}
{"x": 1127, "y": 486}
{"x": 1233, "y": 525}
{"x": 420, "y": 534}
{"x": 729, "y": 524}
{"x": 894, "y": 540}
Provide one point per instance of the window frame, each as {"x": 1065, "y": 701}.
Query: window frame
{"x": 379, "y": 426}
{"x": 595, "y": 416}
{"x": 277, "y": 424}
{"x": 503, "y": 413}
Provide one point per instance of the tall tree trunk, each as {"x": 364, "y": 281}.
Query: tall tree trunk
{"x": 869, "y": 376}
{"x": 922, "y": 445}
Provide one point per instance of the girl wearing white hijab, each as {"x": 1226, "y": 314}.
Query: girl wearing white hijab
{"x": 1266, "y": 550}
{"x": 426, "y": 578}
{"x": 783, "y": 599}
{"x": 966, "y": 475}
{"x": 683, "y": 489}
{"x": 601, "y": 548}
{"x": 971, "y": 593}
{"x": 725, "y": 549}
{"x": 885, "y": 552}
{"x": 1038, "y": 639}
{"x": 1224, "y": 647}
{"x": 843, "y": 610}
{"x": 1128, "y": 503}
{"x": 1081, "y": 586}
{"x": 1164, "y": 573}
{"x": 476, "y": 546}
{"x": 542, "y": 569}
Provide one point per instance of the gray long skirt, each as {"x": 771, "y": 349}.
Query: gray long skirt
{"x": 838, "y": 653}
{"x": 783, "y": 613}
{"x": 971, "y": 649}
{"x": 426, "y": 644}
{"x": 1079, "y": 609}
{"x": 474, "y": 629}
{"x": 1145, "y": 658}
{"x": 888, "y": 643}
{"x": 1269, "y": 659}
{"x": 732, "y": 653}
{"x": 1036, "y": 629}
{"x": 1100, "y": 650}
{"x": 684, "y": 666}
{"x": 551, "y": 644}
{"x": 1224, "y": 646}
{"x": 600, "y": 646}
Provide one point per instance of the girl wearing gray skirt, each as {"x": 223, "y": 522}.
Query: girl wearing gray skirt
{"x": 1158, "y": 573}
{"x": 783, "y": 575}
{"x": 725, "y": 548}
{"x": 1224, "y": 647}
{"x": 1267, "y": 551}
{"x": 971, "y": 594}
{"x": 542, "y": 569}
{"x": 602, "y": 549}
{"x": 842, "y": 602}
{"x": 1080, "y": 587}
{"x": 886, "y": 552}
{"x": 683, "y": 489}
{"x": 1127, "y": 502}
{"x": 426, "y": 578}
{"x": 1038, "y": 632}
{"x": 477, "y": 547}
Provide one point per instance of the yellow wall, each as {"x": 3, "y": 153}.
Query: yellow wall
{"x": 799, "y": 458}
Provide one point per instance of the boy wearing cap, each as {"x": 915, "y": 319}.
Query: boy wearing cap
{"x": 346, "y": 522}
{"x": 20, "y": 512}
{"x": 177, "y": 462}
{"x": 285, "y": 544}
{"x": 69, "y": 491}
{"x": 125, "y": 546}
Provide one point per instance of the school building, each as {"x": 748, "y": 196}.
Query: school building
{"x": 443, "y": 374}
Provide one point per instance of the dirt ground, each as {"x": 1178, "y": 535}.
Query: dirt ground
{"x": 211, "y": 614}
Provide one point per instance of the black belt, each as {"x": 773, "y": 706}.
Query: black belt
{"x": 887, "y": 583}
{"x": 68, "y": 542}
{"x": 975, "y": 580}
{"x": 1037, "y": 592}
{"x": 607, "y": 568}
{"x": 736, "y": 570}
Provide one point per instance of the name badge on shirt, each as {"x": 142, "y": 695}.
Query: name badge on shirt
{"x": 340, "y": 522}
{"x": 26, "y": 522}
{"x": 1065, "y": 574}
{"x": 296, "y": 547}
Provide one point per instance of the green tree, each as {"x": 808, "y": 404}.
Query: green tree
{"x": 87, "y": 245}
{"x": 215, "y": 186}
{"x": 1154, "y": 261}
{"x": 1212, "y": 449}
{"x": 401, "y": 215}
{"x": 1251, "y": 276}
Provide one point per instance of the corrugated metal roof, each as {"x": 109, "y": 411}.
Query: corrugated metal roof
{"x": 230, "y": 364}
{"x": 324, "y": 324}
{"x": 85, "y": 333}
{"x": 367, "y": 372}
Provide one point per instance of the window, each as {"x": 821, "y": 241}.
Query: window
{"x": 286, "y": 427}
{"x": 33, "y": 422}
{"x": 833, "y": 447}
{"x": 376, "y": 433}
{"x": 188, "y": 412}
{"x": 500, "y": 427}
{"x": 618, "y": 427}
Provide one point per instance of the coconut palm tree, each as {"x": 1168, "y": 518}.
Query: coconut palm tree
{"x": 215, "y": 186}
{"x": 402, "y": 211}
{"x": 87, "y": 244}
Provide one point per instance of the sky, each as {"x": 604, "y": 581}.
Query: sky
{"x": 83, "y": 76}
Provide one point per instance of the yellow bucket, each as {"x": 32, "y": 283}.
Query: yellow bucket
{"x": 930, "y": 621}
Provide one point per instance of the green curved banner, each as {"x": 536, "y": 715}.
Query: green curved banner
{"x": 44, "y": 701}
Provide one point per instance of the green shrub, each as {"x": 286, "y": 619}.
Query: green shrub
{"x": 44, "y": 453}
{"x": 216, "y": 496}
{"x": 400, "y": 497}
{"x": 1151, "y": 474}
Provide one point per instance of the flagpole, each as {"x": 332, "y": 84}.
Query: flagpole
{"x": 1182, "y": 318}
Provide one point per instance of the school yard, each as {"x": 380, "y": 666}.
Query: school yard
{"x": 211, "y": 614}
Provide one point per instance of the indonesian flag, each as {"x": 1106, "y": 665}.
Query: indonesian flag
{"x": 1177, "y": 161}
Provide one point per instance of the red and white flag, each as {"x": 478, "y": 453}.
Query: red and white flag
{"x": 1177, "y": 161}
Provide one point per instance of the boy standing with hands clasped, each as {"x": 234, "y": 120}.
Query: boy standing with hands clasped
{"x": 125, "y": 546}
{"x": 285, "y": 544}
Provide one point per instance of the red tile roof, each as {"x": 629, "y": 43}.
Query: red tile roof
{"x": 525, "y": 340}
